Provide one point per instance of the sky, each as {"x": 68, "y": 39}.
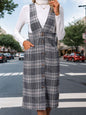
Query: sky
{"x": 71, "y": 12}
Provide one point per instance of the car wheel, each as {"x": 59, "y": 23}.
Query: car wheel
{"x": 83, "y": 60}
{"x": 67, "y": 59}
{"x": 73, "y": 60}
{"x": 3, "y": 61}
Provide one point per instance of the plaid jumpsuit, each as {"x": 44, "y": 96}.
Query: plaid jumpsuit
{"x": 41, "y": 65}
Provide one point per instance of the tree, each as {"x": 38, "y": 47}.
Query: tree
{"x": 7, "y": 5}
{"x": 73, "y": 35}
{"x": 8, "y": 40}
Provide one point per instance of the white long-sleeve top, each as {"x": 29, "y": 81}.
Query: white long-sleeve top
{"x": 24, "y": 17}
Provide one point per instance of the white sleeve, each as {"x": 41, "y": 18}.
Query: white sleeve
{"x": 60, "y": 32}
{"x": 20, "y": 23}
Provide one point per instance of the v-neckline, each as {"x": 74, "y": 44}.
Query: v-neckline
{"x": 38, "y": 19}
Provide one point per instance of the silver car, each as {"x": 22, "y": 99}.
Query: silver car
{"x": 21, "y": 56}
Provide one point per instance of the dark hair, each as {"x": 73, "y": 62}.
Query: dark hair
{"x": 33, "y": 1}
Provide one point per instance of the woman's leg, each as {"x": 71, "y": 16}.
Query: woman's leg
{"x": 48, "y": 110}
{"x": 41, "y": 112}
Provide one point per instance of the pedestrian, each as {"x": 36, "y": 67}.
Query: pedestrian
{"x": 45, "y": 21}
{"x": 82, "y": 51}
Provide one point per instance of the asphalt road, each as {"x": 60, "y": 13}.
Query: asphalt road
{"x": 72, "y": 89}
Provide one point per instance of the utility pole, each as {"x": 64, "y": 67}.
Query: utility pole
{"x": 84, "y": 6}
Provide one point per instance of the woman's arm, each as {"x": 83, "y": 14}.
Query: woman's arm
{"x": 60, "y": 24}
{"x": 22, "y": 19}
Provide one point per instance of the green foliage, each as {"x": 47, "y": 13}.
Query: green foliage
{"x": 8, "y": 40}
{"x": 7, "y": 5}
{"x": 74, "y": 32}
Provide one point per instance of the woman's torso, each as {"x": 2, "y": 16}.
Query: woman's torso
{"x": 42, "y": 15}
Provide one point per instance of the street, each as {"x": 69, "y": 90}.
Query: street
{"x": 72, "y": 100}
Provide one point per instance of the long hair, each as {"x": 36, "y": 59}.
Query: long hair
{"x": 34, "y": 1}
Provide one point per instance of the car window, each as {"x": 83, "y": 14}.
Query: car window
{"x": 22, "y": 54}
{"x": 72, "y": 54}
{"x": 78, "y": 54}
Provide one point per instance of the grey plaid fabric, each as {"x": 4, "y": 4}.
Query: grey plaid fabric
{"x": 41, "y": 65}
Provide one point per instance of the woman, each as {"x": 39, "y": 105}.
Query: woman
{"x": 41, "y": 59}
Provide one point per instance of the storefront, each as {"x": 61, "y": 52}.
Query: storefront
{"x": 66, "y": 50}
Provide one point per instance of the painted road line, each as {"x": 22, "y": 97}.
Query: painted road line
{"x": 7, "y": 74}
{"x": 72, "y": 95}
{"x": 21, "y": 73}
{"x": 1, "y": 74}
{"x": 75, "y": 74}
{"x": 16, "y": 73}
{"x": 17, "y": 101}
{"x": 62, "y": 75}
{"x": 10, "y": 102}
{"x": 71, "y": 104}
{"x": 11, "y": 74}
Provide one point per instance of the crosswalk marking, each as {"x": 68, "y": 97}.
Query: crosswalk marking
{"x": 73, "y": 95}
{"x": 11, "y": 74}
{"x": 1, "y": 74}
{"x": 71, "y": 104}
{"x": 62, "y": 75}
{"x": 16, "y": 73}
{"x": 21, "y": 73}
{"x": 75, "y": 74}
{"x": 17, "y": 101}
{"x": 7, "y": 74}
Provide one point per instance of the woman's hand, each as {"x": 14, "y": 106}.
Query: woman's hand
{"x": 55, "y": 5}
{"x": 27, "y": 44}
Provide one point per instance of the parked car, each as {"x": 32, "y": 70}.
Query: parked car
{"x": 12, "y": 56}
{"x": 3, "y": 58}
{"x": 8, "y": 55}
{"x": 76, "y": 57}
{"x": 17, "y": 54}
{"x": 21, "y": 56}
{"x": 65, "y": 56}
